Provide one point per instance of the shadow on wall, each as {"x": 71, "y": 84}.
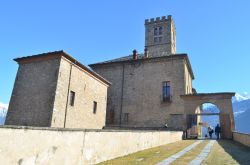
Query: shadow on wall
{"x": 239, "y": 152}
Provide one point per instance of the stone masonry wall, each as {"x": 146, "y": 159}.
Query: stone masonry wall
{"x": 87, "y": 90}
{"x": 165, "y": 43}
{"x": 188, "y": 81}
{"x": 52, "y": 146}
{"x": 142, "y": 92}
{"x": 114, "y": 74}
{"x": 33, "y": 94}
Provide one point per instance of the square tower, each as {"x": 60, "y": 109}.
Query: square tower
{"x": 160, "y": 36}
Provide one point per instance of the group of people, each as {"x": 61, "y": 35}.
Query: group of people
{"x": 217, "y": 131}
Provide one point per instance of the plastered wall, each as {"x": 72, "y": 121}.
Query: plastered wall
{"x": 242, "y": 138}
{"x": 22, "y": 146}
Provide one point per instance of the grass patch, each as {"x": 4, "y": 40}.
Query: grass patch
{"x": 192, "y": 154}
{"x": 150, "y": 156}
{"x": 228, "y": 152}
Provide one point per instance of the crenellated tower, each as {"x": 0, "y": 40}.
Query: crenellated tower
{"x": 160, "y": 36}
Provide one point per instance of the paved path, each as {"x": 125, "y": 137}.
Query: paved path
{"x": 179, "y": 154}
{"x": 213, "y": 152}
{"x": 203, "y": 155}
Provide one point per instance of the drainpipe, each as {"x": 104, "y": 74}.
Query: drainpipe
{"x": 66, "y": 107}
{"x": 120, "y": 123}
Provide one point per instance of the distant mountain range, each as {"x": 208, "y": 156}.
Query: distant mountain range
{"x": 241, "y": 108}
{"x": 242, "y": 115}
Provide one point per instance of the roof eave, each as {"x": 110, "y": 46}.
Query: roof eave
{"x": 60, "y": 53}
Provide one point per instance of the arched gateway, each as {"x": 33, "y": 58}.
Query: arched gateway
{"x": 222, "y": 100}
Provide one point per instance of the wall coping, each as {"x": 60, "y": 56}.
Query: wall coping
{"x": 79, "y": 129}
{"x": 242, "y": 133}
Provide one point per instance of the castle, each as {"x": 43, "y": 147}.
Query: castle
{"x": 149, "y": 90}
{"x": 146, "y": 87}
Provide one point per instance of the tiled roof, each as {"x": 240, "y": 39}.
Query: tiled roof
{"x": 121, "y": 59}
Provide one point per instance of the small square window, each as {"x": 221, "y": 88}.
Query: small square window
{"x": 72, "y": 98}
{"x": 94, "y": 107}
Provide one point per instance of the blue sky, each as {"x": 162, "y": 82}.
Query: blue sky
{"x": 215, "y": 34}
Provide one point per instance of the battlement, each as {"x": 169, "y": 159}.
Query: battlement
{"x": 158, "y": 19}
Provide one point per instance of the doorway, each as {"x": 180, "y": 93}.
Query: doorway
{"x": 209, "y": 118}
{"x": 206, "y": 117}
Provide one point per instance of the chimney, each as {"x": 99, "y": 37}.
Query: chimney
{"x": 145, "y": 53}
{"x": 135, "y": 55}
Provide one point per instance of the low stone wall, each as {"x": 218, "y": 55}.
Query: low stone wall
{"x": 29, "y": 145}
{"x": 242, "y": 138}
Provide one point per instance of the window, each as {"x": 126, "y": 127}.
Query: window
{"x": 160, "y": 30}
{"x": 155, "y": 39}
{"x": 72, "y": 98}
{"x": 155, "y": 31}
{"x": 160, "y": 39}
{"x": 125, "y": 117}
{"x": 94, "y": 107}
{"x": 166, "y": 91}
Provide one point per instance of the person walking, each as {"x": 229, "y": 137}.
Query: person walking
{"x": 217, "y": 131}
{"x": 210, "y": 131}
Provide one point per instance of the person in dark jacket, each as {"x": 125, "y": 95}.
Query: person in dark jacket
{"x": 210, "y": 132}
{"x": 217, "y": 131}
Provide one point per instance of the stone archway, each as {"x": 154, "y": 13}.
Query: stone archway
{"x": 221, "y": 100}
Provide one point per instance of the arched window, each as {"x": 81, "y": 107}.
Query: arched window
{"x": 160, "y": 39}
{"x": 155, "y": 31}
{"x": 160, "y": 30}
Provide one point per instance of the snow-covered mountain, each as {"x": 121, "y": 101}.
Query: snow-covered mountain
{"x": 240, "y": 97}
{"x": 3, "y": 112}
{"x": 241, "y": 110}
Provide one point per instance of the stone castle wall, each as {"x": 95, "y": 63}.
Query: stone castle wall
{"x": 33, "y": 94}
{"x": 41, "y": 94}
{"x": 137, "y": 90}
{"x": 160, "y": 44}
{"x": 87, "y": 90}
{"x": 51, "y": 146}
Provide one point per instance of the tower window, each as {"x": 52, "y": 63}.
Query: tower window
{"x": 94, "y": 107}
{"x": 155, "y": 40}
{"x": 160, "y": 39}
{"x": 160, "y": 30}
{"x": 155, "y": 31}
{"x": 72, "y": 98}
{"x": 166, "y": 91}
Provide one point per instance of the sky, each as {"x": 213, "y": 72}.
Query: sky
{"x": 215, "y": 35}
